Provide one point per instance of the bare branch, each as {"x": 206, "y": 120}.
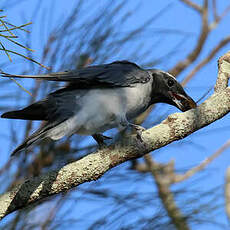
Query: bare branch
{"x": 8, "y": 35}
{"x": 192, "y": 56}
{"x": 223, "y": 72}
{"x": 192, "y": 5}
{"x": 216, "y": 17}
{"x": 206, "y": 60}
{"x": 93, "y": 166}
{"x": 53, "y": 212}
{"x": 225, "y": 12}
{"x": 178, "y": 178}
{"x": 162, "y": 175}
{"x": 206, "y": 28}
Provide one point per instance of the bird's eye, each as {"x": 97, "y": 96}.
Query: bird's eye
{"x": 170, "y": 83}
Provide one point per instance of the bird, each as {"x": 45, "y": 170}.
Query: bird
{"x": 98, "y": 98}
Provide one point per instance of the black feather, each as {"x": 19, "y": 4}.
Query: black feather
{"x": 38, "y": 135}
{"x": 36, "y": 111}
{"x": 115, "y": 74}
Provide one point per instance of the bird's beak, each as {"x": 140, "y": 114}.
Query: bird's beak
{"x": 183, "y": 102}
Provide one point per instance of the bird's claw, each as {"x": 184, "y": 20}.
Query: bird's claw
{"x": 99, "y": 138}
{"x": 139, "y": 129}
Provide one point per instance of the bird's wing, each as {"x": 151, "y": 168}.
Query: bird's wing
{"x": 115, "y": 74}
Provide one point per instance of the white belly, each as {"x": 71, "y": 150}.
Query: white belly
{"x": 102, "y": 111}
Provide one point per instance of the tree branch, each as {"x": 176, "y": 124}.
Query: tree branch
{"x": 206, "y": 28}
{"x": 181, "y": 177}
{"x": 206, "y": 60}
{"x": 93, "y": 166}
{"x": 204, "y": 32}
{"x": 192, "y": 5}
{"x": 223, "y": 73}
{"x": 162, "y": 174}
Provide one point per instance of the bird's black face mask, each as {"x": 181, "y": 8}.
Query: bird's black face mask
{"x": 166, "y": 89}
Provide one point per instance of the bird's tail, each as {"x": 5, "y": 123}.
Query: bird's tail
{"x": 56, "y": 126}
{"x": 37, "y": 136}
{"x": 36, "y": 111}
{"x": 54, "y": 130}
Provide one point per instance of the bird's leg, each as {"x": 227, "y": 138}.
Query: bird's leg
{"x": 138, "y": 130}
{"x": 124, "y": 124}
{"x": 99, "y": 138}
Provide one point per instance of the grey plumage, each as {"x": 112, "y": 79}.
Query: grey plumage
{"x": 99, "y": 98}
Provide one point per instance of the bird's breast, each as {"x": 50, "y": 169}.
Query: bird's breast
{"x": 137, "y": 99}
{"x": 102, "y": 109}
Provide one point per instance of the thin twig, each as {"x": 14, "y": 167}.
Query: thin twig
{"x": 162, "y": 175}
{"x": 206, "y": 60}
{"x": 30, "y": 59}
{"x": 19, "y": 27}
{"x": 178, "y": 178}
{"x": 24, "y": 89}
{"x": 192, "y": 56}
{"x": 216, "y": 17}
{"x": 192, "y": 5}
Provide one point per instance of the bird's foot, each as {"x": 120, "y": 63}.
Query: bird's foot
{"x": 138, "y": 129}
{"x": 99, "y": 138}
{"x": 124, "y": 124}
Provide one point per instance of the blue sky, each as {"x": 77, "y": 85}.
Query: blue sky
{"x": 177, "y": 17}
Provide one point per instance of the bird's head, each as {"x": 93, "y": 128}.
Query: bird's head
{"x": 166, "y": 89}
